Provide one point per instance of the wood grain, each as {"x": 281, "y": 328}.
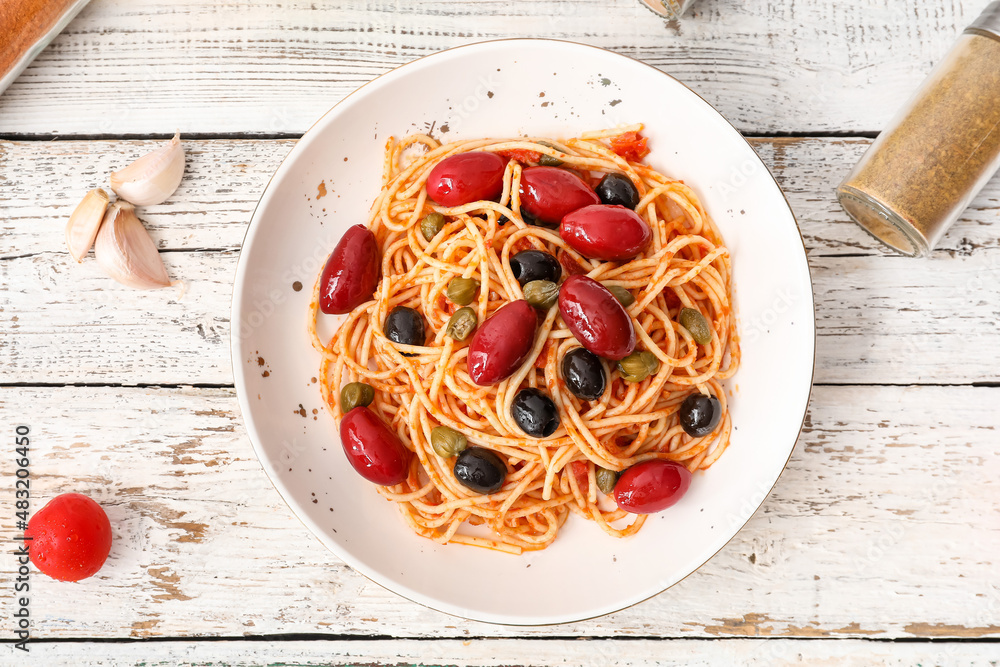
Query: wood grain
{"x": 883, "y": 526}
{"x": 880, "y": 318}
{"x": 149, "y": 66}
{"x": 505, "y": 653}
{"x": 880, "y": 527}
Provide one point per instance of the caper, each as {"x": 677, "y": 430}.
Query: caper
{"x": 462, "y": 290}
{"x": 447, "y": 442}
{"x": 624, "y": 297}
{"x": 638, "y": 366}
{"x": 606, "y": 480}
{"x": 462, "y": 323}
{"x": 541, "y": 293}
{"x": 548, "y": 160}
{"x": 696, "y": 324}
{"x": 431, "y": 225}
{"x": 355, "y": 394}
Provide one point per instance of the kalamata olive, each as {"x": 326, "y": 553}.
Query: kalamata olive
{"x": 431, "y": 224}
{"x": 466, "y": 177}
{"x": 502, "y": 342}
{"x": 529, "y": 265}
{"x": 700, "y": 414}
{"x": 596, "y": 318}
{"x": 535, "y": 413}
{"x": 651, "y": 486}
{"x": 481, "y": 470}
{"x": 462, "y": 290}
{"x": 354, "y": 394}
{"x": 696, "y": 324}
{"x": 541, "y": 294}
{"x": 448, "y": 442}
{"x": 624, "y": 297}
{"x": 584, "y": 374}
{"x": 617, "y": 189}
{"x": 638, "y": 366}
{"x": 404, "y": 326}
{"x": 462, "y": 323}
{"x": 549, "y": 193}
{"x": 606, "y": 479}
{"x": 605, "y": 232}
{"x": 352, "y": 272}
{"x": 375, "y": 451}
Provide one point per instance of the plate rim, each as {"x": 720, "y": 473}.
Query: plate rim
{"x": 243, "y": 401}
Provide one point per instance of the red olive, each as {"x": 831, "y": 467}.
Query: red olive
{"x": 372, "y": 448}
{"x": 651, "y": 486}
{"x": 549, "y": 193}
{"x": 605, "y": 232}
{"x": 465, "y": 178}
{"x": 351, "y": 274}
{"x": 596, "y": 318}
{"x": 501, "y": 343}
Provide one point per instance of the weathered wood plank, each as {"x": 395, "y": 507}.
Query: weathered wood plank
{"x": 41, "y": 183}
{"x": 880, "y": 527}
{"x": 264, "y": 67}
{"x": 881, "y": 318}
{"x": 502, "y": 653}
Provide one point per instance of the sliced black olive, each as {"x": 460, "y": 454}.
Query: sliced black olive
{"x": 700, "y": 414}
{"x": 529, "y": 265}
{"x": 617, "y": 189}
{"x": 480, "y": 470}
{"x": 535, "y": 413}
{"x": 584, "y": 374}
{"x": 405, "y": 326}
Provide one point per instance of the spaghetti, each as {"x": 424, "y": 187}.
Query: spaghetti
{"x": 685, "y": 265}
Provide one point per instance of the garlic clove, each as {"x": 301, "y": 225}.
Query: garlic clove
{"x": 152, "y": 178}
{"x": 126, "y": 252}
{"x": 81, "y": 230}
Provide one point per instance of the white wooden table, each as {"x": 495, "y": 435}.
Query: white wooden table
{"x": 880, "y": 543}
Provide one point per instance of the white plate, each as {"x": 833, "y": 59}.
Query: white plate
{"x": 502, "y": 89}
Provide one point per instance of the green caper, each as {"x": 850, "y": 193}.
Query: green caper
{"x": 697, "y": 325}
{"x": 541, "y": 293}
{"x": 355, "y": 394}
{"x": 447, "y": 442}
{"x": 462, "y": 323}
{"x": 606, "y": 479}
{"x": 462, "y": 290}
{"x": 638, "y": 366}
{"x": 624, "y": 297}
{"x": 548, "y": 160}
{"x": 431, "y": 225}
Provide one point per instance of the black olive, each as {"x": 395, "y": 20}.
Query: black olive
{"x": 584, "y": 374}
{"x": 405, "y": 326}
{"x": 529, "y": 265}
{"x": 527, "y": 217}
{"x": 700, "y": 414}
{"x": 617, "y": 189}
{"x": 480, "y": 470}
{"x": 535, "y": 413}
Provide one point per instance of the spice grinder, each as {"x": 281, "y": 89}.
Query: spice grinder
{"x": 938, "y": 152}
